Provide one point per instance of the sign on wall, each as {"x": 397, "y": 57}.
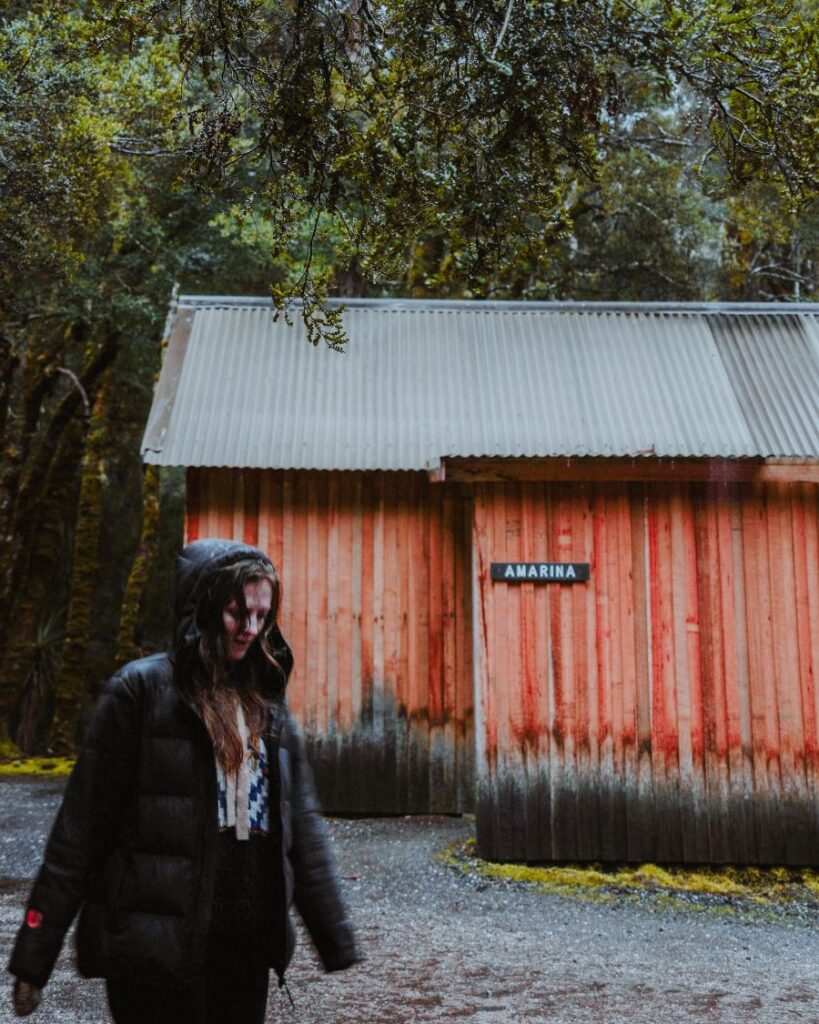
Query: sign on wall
{"x": 540, "y": 572}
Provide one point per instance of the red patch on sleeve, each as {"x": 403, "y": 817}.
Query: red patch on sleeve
{"x": 34, "y": 918}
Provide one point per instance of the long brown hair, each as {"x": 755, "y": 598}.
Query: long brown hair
{"x": 218, "y": 684}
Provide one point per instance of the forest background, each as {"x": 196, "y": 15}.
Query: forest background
{"x": 504, "y": 149}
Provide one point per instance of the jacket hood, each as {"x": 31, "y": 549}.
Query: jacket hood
{"x": 196, "y": 564}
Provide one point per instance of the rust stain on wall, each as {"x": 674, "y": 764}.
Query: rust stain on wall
{"x": 665, "y": 710}
{"x": 672, "y": 713}
{"x": 377, "y": 607}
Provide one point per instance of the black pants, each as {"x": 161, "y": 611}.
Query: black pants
{"x": 233, "y": 993}
{"x": 246, "y": 918}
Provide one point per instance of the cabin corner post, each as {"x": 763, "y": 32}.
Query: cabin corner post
{"x": 484, "y": 755}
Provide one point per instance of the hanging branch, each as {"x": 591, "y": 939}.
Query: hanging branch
{"x": 75, "y": 380}
{"x": 504, "y": 27}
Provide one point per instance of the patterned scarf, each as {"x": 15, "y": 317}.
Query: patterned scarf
{"x": 243, "y": 795}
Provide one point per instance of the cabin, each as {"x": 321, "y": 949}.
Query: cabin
{"x": 554, "y": 563}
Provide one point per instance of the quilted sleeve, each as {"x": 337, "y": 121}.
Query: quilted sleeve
{"x": 317, "y": 887}
{"x": 84, "y": 831}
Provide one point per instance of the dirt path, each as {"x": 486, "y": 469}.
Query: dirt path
{"x": 443, "y": 947}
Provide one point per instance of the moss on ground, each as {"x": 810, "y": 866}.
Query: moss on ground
{"x": 721, "y": 889}
{"x": 43, "y": 767}
{"x": 8, "y": 750}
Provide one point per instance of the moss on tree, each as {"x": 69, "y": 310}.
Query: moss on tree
{"x": 129, "y": 641}
{"x": 72, "y": 696}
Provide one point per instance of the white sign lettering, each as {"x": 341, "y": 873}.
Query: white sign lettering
{"x": 518, "y": 572}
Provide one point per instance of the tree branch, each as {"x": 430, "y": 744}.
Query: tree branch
{"x": 75, "y": 380}
{"x": 504, "y": 27}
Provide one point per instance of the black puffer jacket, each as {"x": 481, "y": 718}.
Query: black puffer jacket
{"x": 135, "y": 841}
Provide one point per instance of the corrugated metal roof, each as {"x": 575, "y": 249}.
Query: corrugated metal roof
{"x": 424, "y": 380}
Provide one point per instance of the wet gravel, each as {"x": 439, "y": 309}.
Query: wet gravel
{"x": 444, "y": 946}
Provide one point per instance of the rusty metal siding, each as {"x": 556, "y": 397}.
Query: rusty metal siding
{"x": 421, "y": 381}
{"x": 667, "y": 709}
{"x": 375, "y": 571}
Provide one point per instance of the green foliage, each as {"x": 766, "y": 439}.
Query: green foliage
{"x": 436, "y": 146}
{"x": 84, "y": 282}
{"x": 770, "y": 251}
{"x": 754, "y": 68}
{"x": 67, "y": 112}
{"x": 643, "y": 229}
{"x": 456, "y": 134}
{"x": 463, "y": 131}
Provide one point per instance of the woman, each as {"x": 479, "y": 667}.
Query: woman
{"x": 190, "y": 821}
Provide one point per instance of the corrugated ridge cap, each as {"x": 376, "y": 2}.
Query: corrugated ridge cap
{"x": 509, "y": 306}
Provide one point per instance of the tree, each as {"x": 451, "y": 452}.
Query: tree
{"x": 464, "y": 127}
{"x": 73, "y": 239}
{"x": 770, "y": 248}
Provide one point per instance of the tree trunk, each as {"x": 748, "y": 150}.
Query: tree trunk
{"x": 36, "y": 703}
{"x": 43, "y": 593}
{"x": 129, "y": 641}
{"x": 26, "y": 408}
{"x": 72, "y": 698}
{"x": 8, "y": 367}
{"x": 23, "y": 521}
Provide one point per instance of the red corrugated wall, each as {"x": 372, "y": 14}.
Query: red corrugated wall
{"x": 667, "y": 709}
{"x": 376, "y": 575}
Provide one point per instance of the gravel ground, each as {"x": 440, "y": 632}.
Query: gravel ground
{"x": 442, "y": 946}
